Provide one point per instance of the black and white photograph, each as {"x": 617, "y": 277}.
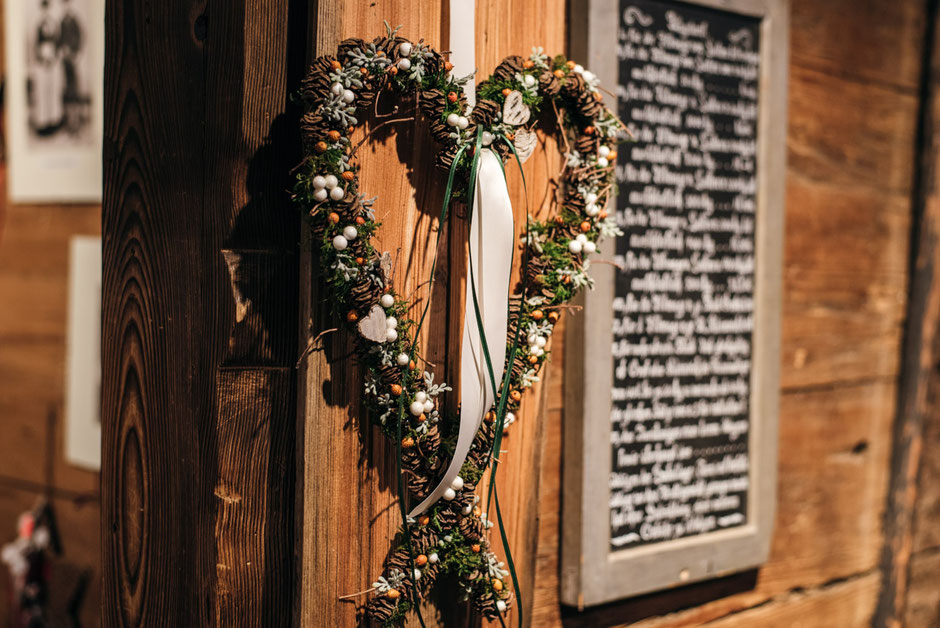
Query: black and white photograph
{"x": 59, "y": 70}
{"x": 55, "y": 68}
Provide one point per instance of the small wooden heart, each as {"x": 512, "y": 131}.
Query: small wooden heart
{"x": 525, "y": 142}
{"x": 373, "y": 327}
{"x": 515, "y": 112}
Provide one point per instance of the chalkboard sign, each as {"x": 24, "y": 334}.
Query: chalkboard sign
{"x": 677, "y": 350}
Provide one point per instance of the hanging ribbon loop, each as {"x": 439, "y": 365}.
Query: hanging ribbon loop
{"x": 490, "y": 257}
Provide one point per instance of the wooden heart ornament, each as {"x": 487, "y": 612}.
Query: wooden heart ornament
{"x": 453, "y": 536}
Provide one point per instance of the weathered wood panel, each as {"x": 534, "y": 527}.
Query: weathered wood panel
{"x": 852, "y": 134}
{"x": 351, "y": 548}
{"x": 198, "y": 340}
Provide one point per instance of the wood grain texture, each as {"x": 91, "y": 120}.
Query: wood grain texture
{"x": 199, "y": 307}
{"x": 343, "y": 554}
{"x": 852, "y": 130}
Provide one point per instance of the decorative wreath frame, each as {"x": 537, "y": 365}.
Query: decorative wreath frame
{"x": 451, "y": 537}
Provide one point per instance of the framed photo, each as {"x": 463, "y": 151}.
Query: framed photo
{"x": 83, "y": 354}
{"x": 54, "y": 93}
{"x": 672, "y": 368}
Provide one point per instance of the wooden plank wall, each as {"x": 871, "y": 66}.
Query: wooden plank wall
{"x": 342, "y": 554}
{"x": 853, "y": 114}
{"x": 200, "y": 312}
{"x": 34, "y": 245}
{"x": 853, "y": 100}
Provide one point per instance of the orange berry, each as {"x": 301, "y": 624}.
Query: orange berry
{"x": 396, "y": 389}
{"x": 333, "y": 135}
{"x": 424, "y": 520}
{"x": 335, "y": 64}
{"x": 506, "y": 91}
{"x": 392, "y": 594}
{"x": 585, "y": 226}
{"x": 363, "y": 71}
{"x": 589, "y": 130}
{"x": 360, "y": 220}
{"x": 497, "y": 584}
{"x": 448, "y": 66}
{"x": 407, "y": 442}
{"x": 515, "y": 395}
{"x": 533, "y": 359}
{"x": 349, "y": 175}
{"x": 321, "y": 147}
{"x": 421, "y": 560}
{"x": 452, "y": 96}
{"x": 360, "y": 260}
{"x": 477, "y": 511}
{"x": 421, "y": 418}
{"x": 333, "y": 217}
{"x": 393, "y": 70}
{"x": 411, "y": 365}
{"x": 612, "y": 155}
{"x": 553, "y": 317}
{"x": 352, "y": 317}
{"x": 559, "y": 73}
{"x": 566, "y": 280}
{"x": 559, "y": 220}
{"x": 475, "y": 547}
{"x": 571, "y": 65}
{"x": 489, "y": 417}
{"x": 537, "y": 315}
{"x": 350, "y": 130}
{"x": 510, "y": 136}
{"x": 528, "y": 63}
{"x": 603, "y": 214}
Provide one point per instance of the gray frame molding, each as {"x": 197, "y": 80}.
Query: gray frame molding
{"x": 590, "y": 573}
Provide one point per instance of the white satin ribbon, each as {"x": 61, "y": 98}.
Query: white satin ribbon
{"x": 491, "y": 247}
{"x": 463, "y": 44}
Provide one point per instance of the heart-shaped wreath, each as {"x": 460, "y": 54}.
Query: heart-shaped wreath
{"x": 450, "y": 537}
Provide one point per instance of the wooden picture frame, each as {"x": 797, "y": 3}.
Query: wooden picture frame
{"x": 591, "y": 573}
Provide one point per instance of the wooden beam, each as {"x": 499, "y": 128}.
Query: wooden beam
{"x": 199, "y": 309}
{"x": 920, "y": 348}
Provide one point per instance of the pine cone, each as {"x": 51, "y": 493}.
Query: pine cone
{"x": 549, "y": 84}
{"x": 485, "y": 112}
{"x": 507, "y": 69}
{"x": 472, "y": 528}
{"x": 586, "y": 145}
{"x": 347, "y": 46}
{"x": 316, "y": 84}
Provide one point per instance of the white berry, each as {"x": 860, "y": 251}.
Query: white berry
{"x": 462, "y": 122}
{"x": 387, "y": 300}
{"x": 501, "y": 606}
{"x": 457, "y": 484}
{"x": 581, "y": 238}
{"x": 391, "y": 322}
{"x": 337, "y": 193}
{"x": 532, "y": 339}
{"x": 391, "y": 335}
{"x": 541, "y": 341}
{"x": 421, "y": 396}
{"x": 574, "y": 246}
{"x": 319, "y": 182}
{"x": 349, "y": 96}
{"x": 428, "y": 405}
{"x": 453, "y": 119}
{"x": 603, "y": 151}
{"x": 403, "y": 359}
{"x": 579, "y": 68}
{"x": 590, "y": 197}
{"x": 588, "y": 75}
{"x": 486, "y": 138}
{"x": 602, "y": 162}
{"x": 529, "y": 80}
{"x": 510, "y": 419}
{"x": 336, "y": 88}
{"x": 449, "y": 494}
{"x": 416, "y": 408}
{"x": 590, "y": 247}
{"x": 466, "y": 510}
{"x": 320, "y": 195}
{"x": 404, "y": 65}
{"x": 340, "y": 243}
{"x": 592, "y": 210}
{"x": 404, "y": 49}
{"x": 330, "y": 182}
{"x": 432, "y": 558}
